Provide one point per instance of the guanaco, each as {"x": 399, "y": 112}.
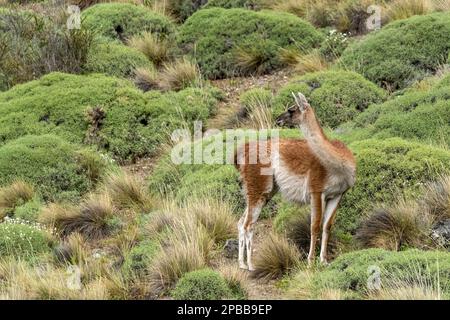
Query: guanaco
{"x": 312, "y": 170}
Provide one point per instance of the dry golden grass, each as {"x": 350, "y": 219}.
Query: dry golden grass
{"x": 17, "y": 193}
{"x": 146, "y": 79}
{"x": 179, "y": 74}
{"x": 126, "y": 191}
{"x": 436, "y": 199}
{"x": 402, "y": 9}
{"x": 297, "y": 7}
{"x": 72, "y": 250}
{"x": 155, "y": 48}
{"x": 259, "y": 110}
{"x": 25, "y": 282}
{"x": 304, "y": 63}
{"x": 236, "y": 279}
{"x": 91, "y": 219}
{"x": 391, "y": 227}
{"x": 275, "y": 257}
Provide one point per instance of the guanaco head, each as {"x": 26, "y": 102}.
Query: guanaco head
{"x": 299, "y": 113}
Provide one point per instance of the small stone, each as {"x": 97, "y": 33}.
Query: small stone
{"x": 231, "y": 248}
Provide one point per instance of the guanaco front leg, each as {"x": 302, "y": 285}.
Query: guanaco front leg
{"x": 316, "y": 216}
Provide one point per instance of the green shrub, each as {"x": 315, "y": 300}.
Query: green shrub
{"x": 336, "y": 96}
{"x": 22, "y": 241}
{"x": 229, "y": 4}
{"x": 383, "y": 168}
{"x": 29, "y": 211}
{"x": 416, "y": 115}
{"x": 402, "y": 52}
{"x": 139, "y": 257}
{"x": 351, "y": 272}
{"x": 115, "y": 59}
{"x": 217, "y": 37}
{"x": 54, "y": 167}
{"x": 33, "y": 45}
{"x": 123, "y": 20}
{"x": 204, "y": 284}
{"x": 95, "y": 109}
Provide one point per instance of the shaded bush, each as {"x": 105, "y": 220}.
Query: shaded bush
{"x": 32, "y": 45}
{"x": 416, "y": 115}
{"x": 115, "y": 59}
{"x": 123, "y": 20}
{"x": 336, "y": 96}
{"x": 204, "y": 284}
{"x": 216, "y": 36}
{"x": 95, "y": 109}
{"x": 402, "y": 52}
{"x": 351, "y": 272}
{"x": 53, "y": 166}
{"x": 384, "y": 167}
{"x": 22, "y": 240}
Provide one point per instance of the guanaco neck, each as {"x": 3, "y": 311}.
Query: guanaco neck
{"x": 332, "y": 157}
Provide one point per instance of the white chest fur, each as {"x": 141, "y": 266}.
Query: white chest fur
{"x": 292, "y": 186}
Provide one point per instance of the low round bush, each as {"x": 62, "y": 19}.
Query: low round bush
{"x": 402, "y": 52}
{"x": 28, "y": 211}
{"x": 139, "y": 257}
{"x": 123, "y": 20}
{"x": 204, "y": 284}
{"x": 54, "y": 167}
{"x": 336, "y": 96}
{"x": 229, "y": 4}
{"x": 383, "y": 168}
{"x": 22, "y": 240}
{"x": 352, "y": 272}
{"x": 423, "y": 116}
{"x": 107, "y": 112}
{"x": 217, "y": 37}
{"x": 115, "y": 59}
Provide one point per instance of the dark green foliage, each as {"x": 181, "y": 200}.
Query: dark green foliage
{"x": 229, "y": 4}
{"x": 54, "y": 167}
{"x": 115, "y": 59}
{"x": 336, "y": 96}
{"x": 402, "y": 52}
{"x": 95, "y": 109}
{"x": 350, "y": 272}
{"x": 32, "y": 45}
{"x": 216, "y": 37}
{"x": 139, "y": 257}
{"x": 123, "y": 20}
{"x": 383, "y": 168}
{"x": 204, "y": 284}
{"x": 23, "y": 241}
{"x": 416, "y": 115}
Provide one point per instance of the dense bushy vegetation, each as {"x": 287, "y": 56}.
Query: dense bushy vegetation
{"x": 402, "y": 52}
{"x": 34, "y": 44}
{"x": 203, "y": 284}
{"x": 416, "y": 115}
{"x": 115, "y": 59}
{"x": 351, "y": 273}
{"x": 100, "y": 110}
{"x": 336, "y": 96}
{"x": 57, "y": 169}
{"x": 221, "y": 39}
{"x": 123, "y": 20}
{"x": 23, "y": 241}
{"x": 385, "y": 166}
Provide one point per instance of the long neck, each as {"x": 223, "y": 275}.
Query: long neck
{"x": 328, "y": 154}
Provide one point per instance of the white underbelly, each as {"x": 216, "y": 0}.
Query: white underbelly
{"x": 291, "y": 186}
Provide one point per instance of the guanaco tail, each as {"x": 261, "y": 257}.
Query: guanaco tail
{"x": 312, "y": 170}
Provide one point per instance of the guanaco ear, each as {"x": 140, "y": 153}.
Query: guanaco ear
{"x": 301, "y": 101}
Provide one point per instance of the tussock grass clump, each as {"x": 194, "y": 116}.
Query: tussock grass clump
{"x": 275, "y": 257}
{"x": 72, "y": 250}
{"x": 179, "y": 74}
{"x": 402, "y": 9}
{"x": 92, "y": 219}
{"x": 17, "y": 194}
{"x": 154, "y": 48}
{"x": 304, "y": 63}
{"x": 236, "y": 279}
{"x": 146, "y": 79}
{"x": 26, "y": 282}
{"x": 126, "y": 191}
{"x": 436, "y": 199}
{"x": 205, "y": 284}
{"x": 257, "y": 108}
{"x": 395, "y": 227}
